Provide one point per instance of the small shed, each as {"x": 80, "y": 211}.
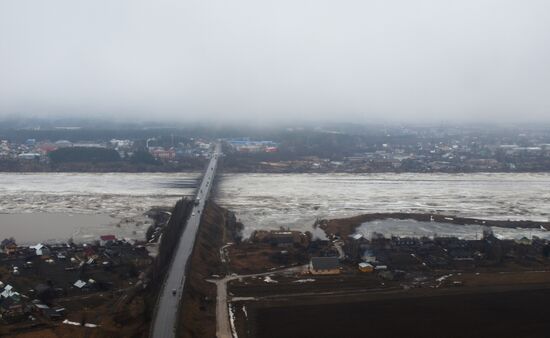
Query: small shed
{"x": 365, "y": 267}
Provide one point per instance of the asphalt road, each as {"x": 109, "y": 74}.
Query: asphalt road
{"x": 165, "y": 320}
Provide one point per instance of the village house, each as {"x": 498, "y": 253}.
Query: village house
{"x": 106, "y": 239}
{"x": 10, "y": 304}
{"x": 10, "y": 308}
{"x": 282, "y": 238}
{"x": 365, "y": 267}
{"x": 324, "y": 266}
{"x": 8, "y": 246}
{"x": 41, "y": 250}
{"x": 10, "y": 249}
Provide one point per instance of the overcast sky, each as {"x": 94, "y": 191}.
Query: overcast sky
{"x": 354, "y": 60}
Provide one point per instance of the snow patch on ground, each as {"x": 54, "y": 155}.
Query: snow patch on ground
{"x": 68, "y": 322}
{"x": 442, "y": 278}
{"x": 268, "y": 279}
{"x": 412, "y": 228}
{"x": 232, "y": 321}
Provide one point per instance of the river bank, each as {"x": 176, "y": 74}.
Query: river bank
{"x": 295, "y": 201}
{"x": 346, "y": 227}
{"x": 382, "y": 280}
{"x": 106, "y": 287}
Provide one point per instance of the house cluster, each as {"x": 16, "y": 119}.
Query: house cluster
{"x": 333, "y": 264}
{"x": 281, "y": 238}
{"x": 16, "y": 307}
{"x": 392, "y": 257}
{"x": 246, "y": 145}
{"x": 32, "y": 149}
{"x": 405, "y": 150}
{"x": 10, "y": 302}
{"x": 161, "y": 150}
{"x": 40, "y": 274}
{"x": 452, "y": 154}
{"x": 417, "y": 253}
{"x": 196, "y": 148}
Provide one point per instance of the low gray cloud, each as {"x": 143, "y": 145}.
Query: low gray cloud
{"x": 351, "y": 60}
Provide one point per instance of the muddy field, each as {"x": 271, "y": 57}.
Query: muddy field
{"x": 494, "y": 313}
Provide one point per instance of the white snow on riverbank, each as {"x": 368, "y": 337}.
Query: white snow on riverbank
{"x": 413, "y": 228}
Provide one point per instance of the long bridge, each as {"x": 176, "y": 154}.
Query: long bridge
{"x": 166, "y": 313}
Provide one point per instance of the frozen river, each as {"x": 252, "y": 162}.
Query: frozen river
{"x": 261, "y": 201}
{"x": 57, "y": 206}
{"x": 296, "y": 200}
{"x": 116, "y": 194}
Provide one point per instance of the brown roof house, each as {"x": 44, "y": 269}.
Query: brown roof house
{"x": 324, "y": 266}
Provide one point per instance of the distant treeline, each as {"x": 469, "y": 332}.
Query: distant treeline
{"x": 82, "y": 154}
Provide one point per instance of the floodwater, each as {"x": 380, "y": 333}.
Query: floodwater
{"x": 54, "y": 227}
{"x": 297, "y": 200}
{"x": 53, "y": 206}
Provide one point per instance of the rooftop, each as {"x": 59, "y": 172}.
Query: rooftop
{"x": 324, "y": 263}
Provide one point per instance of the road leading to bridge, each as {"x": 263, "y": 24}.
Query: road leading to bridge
{"x": 165, "y": 320}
